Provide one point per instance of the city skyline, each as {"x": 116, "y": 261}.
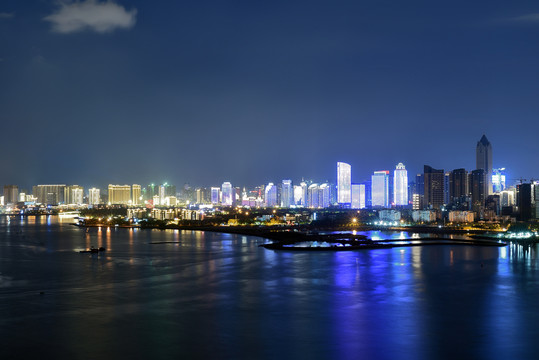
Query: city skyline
{"x": 182, "y": 92}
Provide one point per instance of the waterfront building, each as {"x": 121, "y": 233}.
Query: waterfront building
{"x": 11, "y": 194}
{"x": 93, "y": 196}
{"x": 461, "y": 216}
{"x": 423, "y": 216}
{"x": 287, "y": 194}
{"x": 498, "y": 180}
{"x": 434, "y": 187}
{"x": 49, "y": 194}
{"x": 344, "y": 183}
{"x": 483, "y": 156}
{"x": 508, "y": 197}
{"x": 119, "y": 194}
{"x": 380, "y": 189}
{"x": 270, "y": 195}
{"x": 400, "y": 185}
{"x": 136, "y": 194}
{"x": 228, "y": 196}
{"x": 389, "y": 215}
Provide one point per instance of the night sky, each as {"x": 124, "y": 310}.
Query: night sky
{"x": 95, "y": 92}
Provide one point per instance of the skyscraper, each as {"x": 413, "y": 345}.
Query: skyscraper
{"x": 434, "y": 187}
{"x": 270, "y": 195}
{"x": 94, "y": 196}
{"x": 458, "y": 186}
{"x": 215, "y": 195}
{"x": 119, "y": 194}
{"x": 287, "y": 194}
{"x": 483, "y": 156}
{"x": 380, "y": 189}
{"x": 344, "y": 183}
{"x": 136, "y": 194}
{"x": 400, "y": 185}
{"x": 478, "y": 189}
{"x": 11, "y": 194}
{"x": 228, "y": 194}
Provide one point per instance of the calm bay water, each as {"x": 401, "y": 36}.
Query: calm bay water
{"x": 189, "y": 294}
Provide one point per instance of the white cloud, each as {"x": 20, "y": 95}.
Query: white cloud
{"x": 91, "y": 15}
{"x": 4, "y": 15}
{"x": 529, "y": 18}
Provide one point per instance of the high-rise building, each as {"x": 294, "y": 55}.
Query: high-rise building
{"x": 434, "y": 187}
{"x": 313, "y": 197}
{"x": 271, "y": 195}
{"x": 525, "y": 201}
{"x": 49, "y": 194}
{"x": 447, "y": 176}
{"x": 304, "y": 193}
{"x": 298, "y": 195}
{"x": 119, "y": 194}
{"x": 380, "y": 189}
{"x": 358, "y": 196}
{"x": 324, "y": 195}
{"x": 458, "y": 186}
{"x": 136, "y": 194}
{"x": 93, "y": 196}
{"x": 215, "y": 195}
{"x": 478, "y": 189}
{"x": 287, "y": 194}
{"x": 74, "y": 194}
{"x": 498, "y": 180}
{"x": 11, "y": 194}
{"x": 227, "y": 194}
{"x": 536, "y": 198}
{"x": 344, "y": 183}
{"x": 483, "y": 156}
{"x": 400, "y": 185}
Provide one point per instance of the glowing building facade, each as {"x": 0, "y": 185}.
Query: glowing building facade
{"x": 380, "y": 189}
{"x": 287, "y": 194}
{"x": 94, "y": 196}
{"x": 270, "y": 195}
{"x": 119, "y": 194}
{"x": 228, "y": 194}
{"x": 344, "y": 183}
{"x": 400, "y": 186}
{"x": 136, "y": 194}
{"x": 214, "y": 195}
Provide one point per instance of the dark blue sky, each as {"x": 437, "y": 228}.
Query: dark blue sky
{"x": 208, "y": 91}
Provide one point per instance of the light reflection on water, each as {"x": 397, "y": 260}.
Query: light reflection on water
{"x": 211, "y": 295}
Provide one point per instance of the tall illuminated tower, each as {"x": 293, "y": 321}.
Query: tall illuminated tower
{"x": 226, "y": 189}
{"x": 287, "y": 194}
{"x": 400, "y": 185}
{"x": 380, "y": 189}
{"x": 344, "y": 183}
{"x": 136, "y": 194}
{"x": 270, "y": 194}
{"x": 483, "y": 157}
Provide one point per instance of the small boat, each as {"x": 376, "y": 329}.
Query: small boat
{"x": 93, "y": 250}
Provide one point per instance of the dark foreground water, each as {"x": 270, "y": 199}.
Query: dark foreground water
{"x": 186, "y": 294}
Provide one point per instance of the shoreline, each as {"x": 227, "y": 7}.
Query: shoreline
{"x": 285, "y": 237}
